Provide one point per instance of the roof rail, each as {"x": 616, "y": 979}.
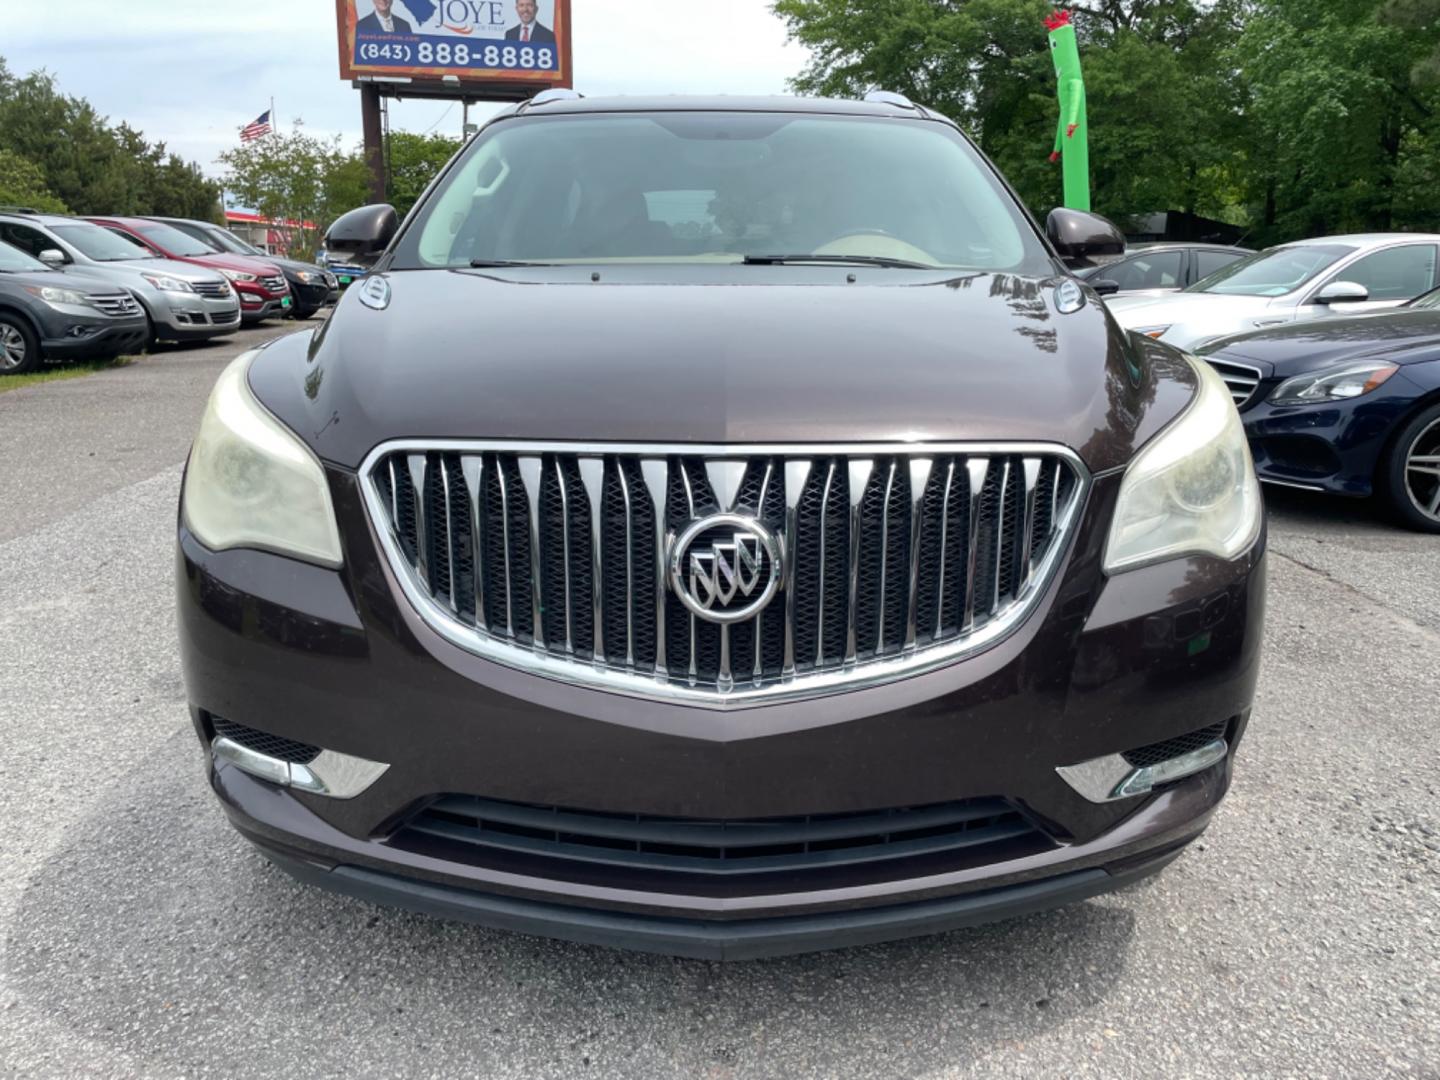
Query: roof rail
{"x": 18, "y": 210}
{"x": 890, "y": 97}
{"x": 549, "y": 95}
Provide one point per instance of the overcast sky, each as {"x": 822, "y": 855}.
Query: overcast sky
{"x": 193, "y": 73}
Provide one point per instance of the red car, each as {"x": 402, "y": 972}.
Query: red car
{"x": 262, "y": 287}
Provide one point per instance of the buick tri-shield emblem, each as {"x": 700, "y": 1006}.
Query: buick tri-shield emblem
{"x": 725, "y": 567}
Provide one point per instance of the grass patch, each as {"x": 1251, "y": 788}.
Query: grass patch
{"x": 56, "y": 372}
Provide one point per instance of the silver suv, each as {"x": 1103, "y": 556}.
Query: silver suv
{"x": 183, "y": 302}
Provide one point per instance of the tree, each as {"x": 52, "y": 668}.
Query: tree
{"x": 91, "y": 166}
{"x": 1342, "y": 135}
{"x": 413, "y": 162}
{"x": 1162, "y": 113}
{"x": 22, "y": 184}
{"x": 297, "y": 179}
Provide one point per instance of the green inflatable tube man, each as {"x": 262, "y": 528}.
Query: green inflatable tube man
{"x": 1072, "y": 148}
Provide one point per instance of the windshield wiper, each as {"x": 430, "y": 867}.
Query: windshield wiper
{"x": 481, "y": 264}
{"x": 856, "y": 260}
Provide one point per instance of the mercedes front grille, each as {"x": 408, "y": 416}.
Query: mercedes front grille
{"x": 1242, "y": 379}
{"x": 562, "y": 561}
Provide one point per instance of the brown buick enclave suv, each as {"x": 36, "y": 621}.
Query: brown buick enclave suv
{"x": 720, "y": 527}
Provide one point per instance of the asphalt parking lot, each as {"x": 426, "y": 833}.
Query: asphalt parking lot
{"x": 140, "y": 936}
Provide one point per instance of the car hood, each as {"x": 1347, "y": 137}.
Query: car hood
{"x": 1402, "y": 337}
{"x": 294, "y": 266}
{"x": 137, "y": 267}
{"x": 1146, "y": 309}
{"x": 478, "y": 354}
{"x": 1192, "y": 318}
{"x": 245, "y": 264}
{"x": 55, "y": 280}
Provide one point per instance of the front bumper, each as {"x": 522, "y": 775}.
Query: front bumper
{"x": 1334, "y": 446}
{"x": 339, "y": 660}
{"x": 256, "y": 306}
{"x": 190, "y": 317}
{"x": 78, "y": 337}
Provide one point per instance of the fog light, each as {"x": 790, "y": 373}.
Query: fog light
{"x": 1105, "y": 779}
{"x": 331, "y": 773}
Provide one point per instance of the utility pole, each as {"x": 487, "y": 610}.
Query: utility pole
{"x": 374, "y": 142}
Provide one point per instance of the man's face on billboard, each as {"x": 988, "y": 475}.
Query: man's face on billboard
{"x": 382, "y": 8}
{"x": 526, "y": 9}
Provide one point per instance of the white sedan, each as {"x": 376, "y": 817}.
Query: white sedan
{"x": 1331, "y": 275}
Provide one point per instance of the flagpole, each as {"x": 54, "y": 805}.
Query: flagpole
{"x": 274, "y": 120}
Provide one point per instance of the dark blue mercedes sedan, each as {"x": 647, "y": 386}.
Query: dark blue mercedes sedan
{"x": 1345, "y": 405}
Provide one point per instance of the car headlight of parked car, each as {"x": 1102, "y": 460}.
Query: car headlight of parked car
{"x": 310, "y": 277}
{"x": 1192, "y": 489}
{"x": 1152, "y": 331}
{"x": 239, "y": 275}
{"x": 252, "y": 483}
{"x": 1334, "y": 384}
{"x": 166, "y": 283}
{"x": 51, "y": 295}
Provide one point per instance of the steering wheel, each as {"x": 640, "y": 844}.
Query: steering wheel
{"x": 848, "y": 233}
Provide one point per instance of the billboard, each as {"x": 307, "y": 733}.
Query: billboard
{"x": 508, "y": 43}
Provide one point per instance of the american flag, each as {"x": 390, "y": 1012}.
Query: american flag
{"x": 257, "y": 127}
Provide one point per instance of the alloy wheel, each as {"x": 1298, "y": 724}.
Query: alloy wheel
{"x": 1422, "y": 471}
{"x": 12, "y": 348}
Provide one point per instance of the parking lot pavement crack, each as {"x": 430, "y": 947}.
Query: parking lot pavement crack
{"x": 1379, "y": 607}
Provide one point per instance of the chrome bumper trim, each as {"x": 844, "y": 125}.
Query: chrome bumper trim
{"x": 1108, "y": 778}
{"x": 332, "y": 774}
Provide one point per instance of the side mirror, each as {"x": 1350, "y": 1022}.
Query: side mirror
{"x": 1343, "y": 292}
{"x": 1104, "y": 286}
{"x": 53, "y": 258}
{"x": 1078, "y": 236}
{"x": 362, "y": 235}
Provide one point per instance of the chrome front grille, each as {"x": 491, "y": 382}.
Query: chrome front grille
{"x": 215, "y": 290}
{"x": 1242, "y": 379}
{"x": 116, "y": 304}
{"x": 557, "y": 559}
{"x": 275, "y": 283}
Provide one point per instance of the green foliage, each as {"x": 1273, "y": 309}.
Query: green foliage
{"x": 414, "y": 160}
{"x": 90, "y": 166}
{"x": 297, "y": 178}
{"x": 23, "y": 184}
{"x": 1288, "y": 117}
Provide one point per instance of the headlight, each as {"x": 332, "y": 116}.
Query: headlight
{"x": 239, "y": 275}
{"x": 51, "y": 295}
{"x": 166, "y": 283}
{"x": 1192, "y": 490}
{"x": 252, "y": 483}
{"x": 309, "y": 277}
{"x": 1152, "y": 331}
{"x": 1335, "y": 384}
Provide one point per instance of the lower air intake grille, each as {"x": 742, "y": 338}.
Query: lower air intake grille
{"x": 1155, "y": 753}
{"x": 657, "y": 849}
{"x": 565, "y": 561}
{"x": 274, "y": 746}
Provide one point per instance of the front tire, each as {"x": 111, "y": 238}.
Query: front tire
{"x": 1411, "y": 472}
{"x": 19, "y": 347}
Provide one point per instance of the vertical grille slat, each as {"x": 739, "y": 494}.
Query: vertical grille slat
{"x": 796, "y": 476}
{"x": 565, "y": 553}
{"x": 531, "y": 469}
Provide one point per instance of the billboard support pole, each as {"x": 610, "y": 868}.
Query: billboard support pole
{"x": 374, "y": 143}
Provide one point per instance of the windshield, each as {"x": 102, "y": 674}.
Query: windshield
{"x": 15, "y": 261}
{"x": 717, "y": 187}
{"x": 1274, "y": 272}
{"x": 99, "y": 244}
{"x": 225, "y": 240}
{"x": 168, "y": 238}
